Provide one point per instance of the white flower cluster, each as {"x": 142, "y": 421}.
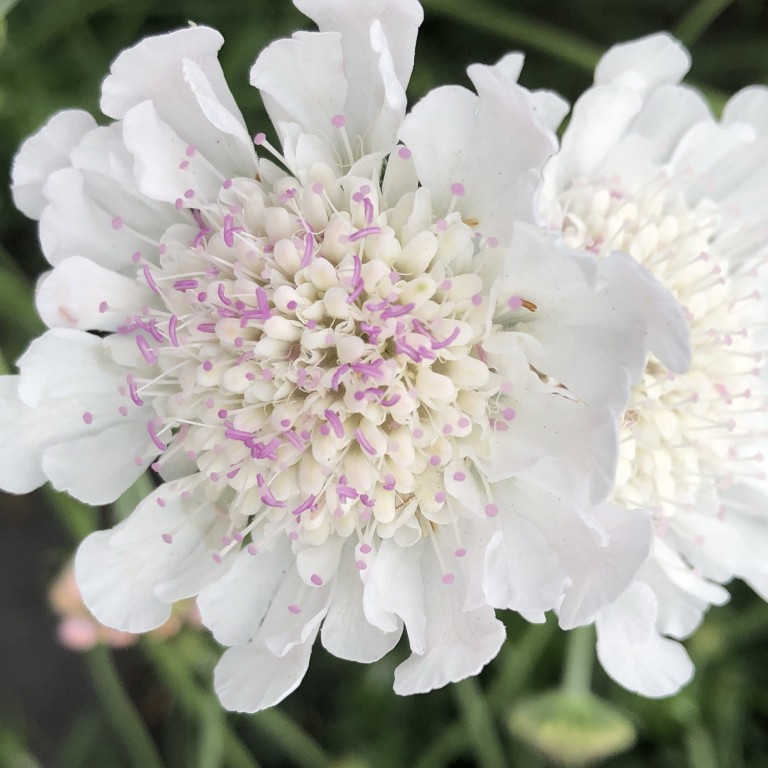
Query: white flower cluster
{"x": 400, "y": 369}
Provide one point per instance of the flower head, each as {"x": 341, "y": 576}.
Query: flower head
{"x": 645, "y": 168}
{"x": 378, "y": 395}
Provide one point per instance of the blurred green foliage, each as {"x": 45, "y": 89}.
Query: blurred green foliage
{"x": 155, "y": 708}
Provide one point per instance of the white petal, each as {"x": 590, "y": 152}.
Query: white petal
{"x": 749, "y": 106}
{"x": 582, "y": 438}
{"x": 458, "y": 643}
{"x": 644, "y": 64}
{"x": 682, "y": 594}
{"x": 600, "y": 550}
{"x": 394, "y": 591}
{"x": 43, "y": 153}
{"x": 302, "y": 81}
{"x": 632, "y": 651}
{"x": 294, "y": 615}
{"x": 682, "y": 108}
{"x": 130, "y": 575}
{"x": 61, "y": 416}
{"x": 76, "y": 224}
{"x": 601, "y": 573}
{"x": 81, "y": 294}
{"x": 67, "y": 363}
{"x": 234, "y": 606}
{"x": 96, "y": 210}
{"x": 119, "y": 595}
{"x": 346, "y": 632}
{"x": 193, "y": 100}
{"x": 159, "y": 151}
{"x": 608, "y": 311}
{"x": 378, "y": 39}
{"x": 20, "y": 457}
{"x": 320, "y": 561}
{"x": 98, "y": 467}
{"x": 459, "y": 138}
{"x": 522, "y": 571}
{"x": 550, "y": 108}
{"x": 249, "y": 678}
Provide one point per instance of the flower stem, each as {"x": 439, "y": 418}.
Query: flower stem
{"x": 517, "y": 663}
{"x": 119, "y": 709}
{"x": 698, "y": 19}
{"x": 295, "y": 742}
{"x": 192, "y": 699}
{"x": 579, "y": 659}
{"x": 444, "y": 749}
{"x": 479, "y": 722}
{"x": 533, "y": 34}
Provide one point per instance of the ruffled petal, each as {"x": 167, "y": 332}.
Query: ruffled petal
{"x": 98, "y": 467}
{"x": 249, "y": 678}
{"x": 460, "y": 143}
{"x": 346, "y": 632}
{"x": 21, "y": 468}
{"x": 459, "y": 643}
{"x": 632, "y": 651}
{"x": 234, "y": 606}
{"x": 81, "y": 294}
{"x": 96, "y": 210}
{"x": 42, "y": 154}
{"x": 644, "y": 64}
{"x": 608, "y": 311}
{"x": 750, "y": 107}
{"x": 583, "y": 438}
{"x": 378, "y": 40}
{"x": 180, "y": 74}
{"x": 600, "y": 550}
{"x": 167, "y": 166}
{"x": 683, "y": 595}
{"x": 521, "y": 571}
{"x": 394, "y": 592}
{"x": 66, "y": 419}
{"x": 302, "y": 81}
{"x": 67, "y": 363}
{"x": 601, "y": 572}
{"x": 129, "y": 576}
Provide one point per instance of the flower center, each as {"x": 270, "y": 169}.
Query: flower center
{"x": 683, "y": 435}
{"x": 316, "y": 358}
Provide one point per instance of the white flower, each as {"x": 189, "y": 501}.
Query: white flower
{"x": 645, "y": 168}
{"x": 379, "y": 396}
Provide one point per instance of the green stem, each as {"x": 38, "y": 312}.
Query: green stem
{"x": 579, "y": 660}
{"x": 174, "y": 671}
{"x": 443, "y": 750}
{"x": 698, "y": 19}
{"x": 294, "y": 741}
{"x": 125, "y": 720}
{"x": 518, "y": 662}
{"x": 479, "y": 722}
{"x": 77, "y": 518}
{"x": 533, "y": 34}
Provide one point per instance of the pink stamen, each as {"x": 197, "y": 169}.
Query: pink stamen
{"x": 150, "y": 280}
{"x": 361, "y": 233}
{"x": 363, "y": 441}
{"x": 305, "y": 505}
{"x": 335, "y": 422}
{"x": 147, "y": 352}
{"x": 153, "y": 435}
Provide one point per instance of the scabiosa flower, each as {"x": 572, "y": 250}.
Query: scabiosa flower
{"x": 377, "y": 394}
{"x": 645, "y": 168}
